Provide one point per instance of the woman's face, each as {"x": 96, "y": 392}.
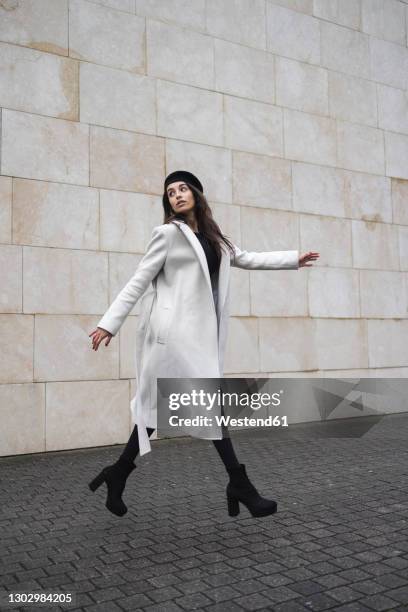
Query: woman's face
{"x": 180, "y": 196}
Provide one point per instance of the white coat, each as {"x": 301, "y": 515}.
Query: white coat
{"x": 183, "y": 320}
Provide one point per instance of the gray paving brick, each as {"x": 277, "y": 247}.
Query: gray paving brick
{"x": 380, "y": 603}
{"x": 318, "y": 602}
{"x": 307, "y": 587}
{"x": 256, "y": 601}
{"x": 193, "y": 601}
{"x": 343, "y": 548}
{"x": 400, "y": 594}
{"x": 369, "y": 587}
{"x": 344, "y": 594}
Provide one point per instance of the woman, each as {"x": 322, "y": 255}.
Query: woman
{"x": 182, "y": 326}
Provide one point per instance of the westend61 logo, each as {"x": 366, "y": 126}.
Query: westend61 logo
{"x": 220, "y": 400}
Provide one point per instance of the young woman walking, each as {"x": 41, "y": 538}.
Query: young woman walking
{"x": 182, "y": 326}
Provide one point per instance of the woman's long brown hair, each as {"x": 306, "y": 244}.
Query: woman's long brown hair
{"x": 205, "y": 221}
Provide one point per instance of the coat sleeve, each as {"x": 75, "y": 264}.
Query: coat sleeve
{"x": 265, "y": 260}
{"x": 148, "y": 268}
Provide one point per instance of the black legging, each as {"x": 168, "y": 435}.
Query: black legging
{"x": 224, "y": 448}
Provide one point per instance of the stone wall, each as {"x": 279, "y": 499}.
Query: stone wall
{"x": 293, "y": 113}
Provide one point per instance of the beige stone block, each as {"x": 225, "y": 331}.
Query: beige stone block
{"x": 242, "y": 354}
{"x": 127, "y": 348}
{"x": 189, "y": 13}
{"x": 121, "y": 5}
{"x": 156, "y": 213}
{"x": 17, "y": 335}
{"x": 44, "y": 148}
{"x": 122, "y": 267}
{"x": 350, "y": 373}
{"x": 341, "y": 344}
{"x": 333, "y": 292}
{"x": 392, "y": 109}
{"x": 55, "y": 215}
{"x": 278, "y": 293}
{"x": 212, "y": 165}
{"x": 367, "y": 197}
{"x": 262, "y": 181}
{"x": 312, "y": 374}
{"x": 334, "y": 40}
{"x": 11, "y": 294}
{"x": 384, "y": 19}
{"x": 383, "y": 294}
{"x": 303, "y": 6}
{"x": 342, "y": 12}
{"x": 375, "y": 245}
{"x": 117, "y": 98}
{"x": 403, "y": 247}
{"x": 387, "y": 343}
{"x": 253, "y": 126}
{"x": 63, "y": 350}
{"x": 318, "y": 189}
{"x": 301, "y": 86}
{"x": 38, "y": 82}
{"x": 242, "y": 71}
{"x": 228, "y": 218}
{"x": 22, "y": 405}
{"x": 239, "y": 301}
{"x": 103, "y": 35}
{"x": 352, "y": 99}
{"x": 287, "y": 344}
{"x": 269, "y": 230}
{"x": 123, "y": 160}
{"x": 292, "y": 34}
{"x": 328, "y": 236}
{"x": 309, "y": 138}
{"x": 125, "y": 221}
{"x": 399, "y": 191}
{"x": 241, "y": 21}
{"x": 87, "y": 413}
{"x": 41, "y": 24}
{"x": 179, "y": 54}
{"x": 5, "y": 207}
{"x": 396, "y": 155}
{"x": 390, "y": 373}
{"x": 389, "y": 63}
{"x": 78, "y": 279}
{"x": 360, "y": 148}
{"x": 189, "y": 113}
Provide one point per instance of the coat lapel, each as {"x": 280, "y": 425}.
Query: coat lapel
{"x": 223, "y": 275}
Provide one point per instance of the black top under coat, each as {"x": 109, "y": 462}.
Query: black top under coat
{"x": 210, "y": 253}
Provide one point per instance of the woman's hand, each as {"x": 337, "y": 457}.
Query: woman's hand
{"x": 98, "y": 335}
{"x": 310, "y": 256}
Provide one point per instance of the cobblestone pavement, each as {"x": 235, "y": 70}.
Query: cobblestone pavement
{"x": 339, "y": 540}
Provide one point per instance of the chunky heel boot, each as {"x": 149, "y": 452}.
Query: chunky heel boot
{"x": 240, "y": 489}
{"x": 115, "y": 478}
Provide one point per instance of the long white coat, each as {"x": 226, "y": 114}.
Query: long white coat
{"x": 183, "y": 320}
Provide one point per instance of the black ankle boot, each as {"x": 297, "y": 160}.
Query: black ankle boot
{"x": 240, "y": 489}
{"x": 115, "y": 478}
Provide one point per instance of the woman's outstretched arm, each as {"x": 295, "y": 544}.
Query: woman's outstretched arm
{"x": 265, "y": 260}
{"x": 148, "y": 268}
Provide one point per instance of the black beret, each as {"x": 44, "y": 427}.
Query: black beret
{"x": 183, "y": 175}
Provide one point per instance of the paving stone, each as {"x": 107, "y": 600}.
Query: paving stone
{"x": 307, "y": 587}
{"x": 342, "y": 548}
{"x": 400, "y": 594}
{"x": 380, "y": 603}
{"x": 256, "y": 601}
{"x": 369, "y": 587}
{"x": 193, "y": 601}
